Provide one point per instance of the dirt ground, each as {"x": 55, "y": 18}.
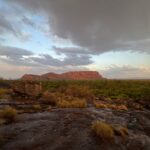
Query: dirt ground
{"x": 70, "y": 129}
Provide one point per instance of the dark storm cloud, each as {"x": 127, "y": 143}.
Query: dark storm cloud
{"x": 13, "y": 55}
{"x": 13, "y": 21}
{"x": 5, "y": 26}
{"x": 28, "y": 21}
{"x": 13, "y": 52}
{"x": 71, "y": 50}
{"x": 69, "y": 60}
{"x": 18, "y": 56}
{"x": 97, "y": 25}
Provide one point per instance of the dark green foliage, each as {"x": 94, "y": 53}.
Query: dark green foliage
{"x": 137, "y": 90}
{"x": 118, "y": 90}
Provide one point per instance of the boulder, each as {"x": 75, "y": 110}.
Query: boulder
{"x": 27, "y": 89}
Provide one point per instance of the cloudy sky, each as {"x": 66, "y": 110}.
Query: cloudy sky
{"x": 109, "y": 36}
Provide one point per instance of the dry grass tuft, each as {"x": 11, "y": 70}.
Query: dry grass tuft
{"x": 103, "y": 130}
{"x": 74, "y": 103}
{"x": 37, "y": 107}
{"x": 111, "y": 106}
{"x": 100, "y": 105}
{"x": 3, "y": 93}
{"x": 50, "y": 98}
{"x": 1, "y": 140}
{"x": 121, "y": 107}
{"x": 9, "y": 114}
{"x": 80, "y": 91}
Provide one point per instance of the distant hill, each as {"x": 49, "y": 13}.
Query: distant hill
{"x": 74, "y": 75}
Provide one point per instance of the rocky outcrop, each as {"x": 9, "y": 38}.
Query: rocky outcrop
{"x": 81, "y": 75}
{"x": 51, "y": 76}
{"x": 31, "y": 77}
{"x": 75, "y": 75}
{"x": 26, "y": 90}
{"x": 67, "y": 129}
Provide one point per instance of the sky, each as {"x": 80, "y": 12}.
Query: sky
{"x": 108, "y": 36}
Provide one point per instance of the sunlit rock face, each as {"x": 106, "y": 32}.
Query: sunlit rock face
{"x": 79, "y": 75}
{"x": 75, "y": 75}
{"x": 31, "y": 77}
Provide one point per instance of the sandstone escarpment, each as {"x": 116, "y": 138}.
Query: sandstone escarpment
{"x": 75, "y": 75}
{"x": 31, "y": 77}
{"x": 81, "y": 75}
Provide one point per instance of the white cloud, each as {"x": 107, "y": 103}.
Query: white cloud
{"x": 125, "y": 72}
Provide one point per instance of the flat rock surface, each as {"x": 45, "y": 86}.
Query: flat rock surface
{"x": 70, "y": 129}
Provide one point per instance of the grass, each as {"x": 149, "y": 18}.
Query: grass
{"x": 1, "y": 140}
{"x": 80, "y": 91}
{"x": 119, "y": 92}
{"x": 114, "y": 89}
{"x": 107, "y": 132}
{"x": 49, "y": 98}
{"x": 100, "y": 105}
{"x": 122, "y": 107}
{"x": 103, "y": 130}
{"x": 111, "y": 106}
{"x": 37, "y": 107}
{"x": 3, "y": 93}
{"x": 75, "y": 103}
{"x": 9, "y": 114}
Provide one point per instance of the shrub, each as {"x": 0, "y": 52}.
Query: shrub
{"x": 1, "y": 140}
{"x": 79, "y": 104}
{"x": 3, "y": 93}
{"x": 37, "y": 107}
{"x": 50, "y": 98}
{"x": 111, "y": 106}
{"x": 102, "y": 130}
{"x": 9, "y": 114}
{"x": 80, "y": 91}
{"x": 100, "y": 105}
{"x": 121, "y": 107}
{"x": 75, "y": 103}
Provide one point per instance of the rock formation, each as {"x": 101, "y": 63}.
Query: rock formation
{"x": 75, "y": 75}
{"x": 31, "y": 77}
{"x": 81, "y": 75}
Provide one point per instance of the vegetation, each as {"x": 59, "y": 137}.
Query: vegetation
{"x": 120, "y": 92}
{"x": 111, "y": 106}
{"x": 75, "y": 103}
{"x": 104, "y": 89}
{"x": 103, "y": 130}
{"x": 123, "y": 93}
{"x": 50, "y": 98}
{"x": 37, "y": 107}
{"x": 3, "y": 93}
{"x": 100, "y": 105}
{"x": 9, "y": 114}
{"x": 107, "y": 132}
{"x": 1, "y": 140}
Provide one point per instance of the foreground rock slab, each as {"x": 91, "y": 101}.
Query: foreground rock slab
{"x": 70, "y": 129}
